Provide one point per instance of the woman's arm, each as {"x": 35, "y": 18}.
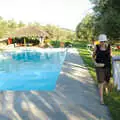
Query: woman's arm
{"x": 94, "y": 53}
{"x": 110, "y": 51}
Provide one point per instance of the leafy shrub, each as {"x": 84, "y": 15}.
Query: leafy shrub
{"x": 55, "y": 44}
{"x": 67, "y": 44}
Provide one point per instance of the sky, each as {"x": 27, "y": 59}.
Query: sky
{"x": 62, "y": 13}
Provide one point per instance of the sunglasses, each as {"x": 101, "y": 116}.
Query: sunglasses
{"x": 102, "y": 41}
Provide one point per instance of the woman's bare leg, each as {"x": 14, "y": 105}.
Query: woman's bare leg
{"x": 101, "y": 85}
{"x": 106, "y": 88}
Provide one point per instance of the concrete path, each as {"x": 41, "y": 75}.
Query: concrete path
{"x": 75, "y": 98}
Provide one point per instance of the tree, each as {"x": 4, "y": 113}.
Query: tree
{"x": 86, "y": 28}
{"x": 107, "y": 17}
{"x": 57, "y": 33}
{"x": 12, "y": 24}
{"x": 3, "y": 27}
{"x": 21, "y": 24}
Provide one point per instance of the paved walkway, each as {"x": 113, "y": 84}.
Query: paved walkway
{"x": 75, "y": 97}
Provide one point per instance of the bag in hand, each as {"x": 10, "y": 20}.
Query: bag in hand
{"x": 99, "y": 64}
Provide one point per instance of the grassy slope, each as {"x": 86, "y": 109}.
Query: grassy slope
{"x": 113, "y": 99}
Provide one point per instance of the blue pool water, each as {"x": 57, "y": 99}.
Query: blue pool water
{"x": 30, "y": 70}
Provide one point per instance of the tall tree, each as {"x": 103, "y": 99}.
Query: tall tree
{"x": 108, "y": 17}
{"x": 86, "y": 28}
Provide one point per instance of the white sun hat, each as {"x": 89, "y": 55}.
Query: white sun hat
{"x": 102, "y": 37}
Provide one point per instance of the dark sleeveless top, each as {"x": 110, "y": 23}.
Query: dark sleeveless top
{"x": 103, "y": 56}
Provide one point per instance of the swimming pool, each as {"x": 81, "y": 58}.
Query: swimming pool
{"x": 30, "y": 69}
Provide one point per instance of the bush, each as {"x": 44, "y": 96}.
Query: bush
{"x": 55, "y": 44}
{"x": 68, "y": 44}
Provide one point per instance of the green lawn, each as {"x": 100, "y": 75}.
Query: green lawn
{"x": 113, "y": 99}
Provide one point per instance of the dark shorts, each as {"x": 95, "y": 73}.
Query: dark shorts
{"x": 103, "y": 74}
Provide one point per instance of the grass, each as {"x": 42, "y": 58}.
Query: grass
{"x": 116, "y": 52}
{"x": 113, "y": 99}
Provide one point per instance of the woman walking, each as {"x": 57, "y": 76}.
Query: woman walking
{"x": 102, "y": 58}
